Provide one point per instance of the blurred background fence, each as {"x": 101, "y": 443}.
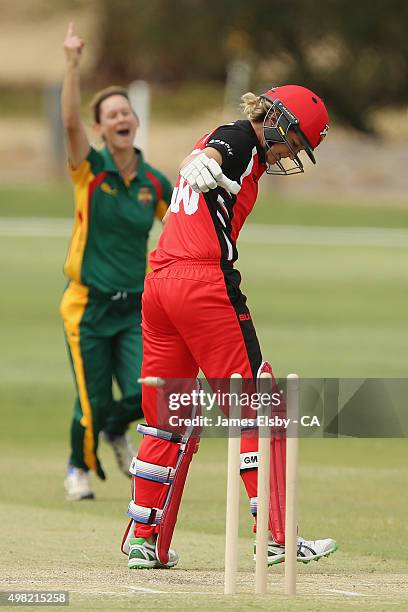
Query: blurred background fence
{"x": 198, "y": 57}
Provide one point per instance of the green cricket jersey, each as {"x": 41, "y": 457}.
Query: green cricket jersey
{"x": 113, "y": 219}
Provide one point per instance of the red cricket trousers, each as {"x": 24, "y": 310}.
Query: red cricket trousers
{"x": 193, "y": 316}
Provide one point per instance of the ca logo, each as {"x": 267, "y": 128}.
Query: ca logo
{"x": 323, "y": 133}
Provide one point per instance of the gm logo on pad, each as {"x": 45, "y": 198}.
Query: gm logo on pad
{"x": 248, "y": 461}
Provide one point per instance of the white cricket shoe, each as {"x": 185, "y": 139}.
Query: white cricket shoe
{"x": 308, "y": 550}
{"x": 313, "y": 550}
{"x": 142, "y": 555}
{"x": 124, "y": 451}
{"x": 77, "y": 485}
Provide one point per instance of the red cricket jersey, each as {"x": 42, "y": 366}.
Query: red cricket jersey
{"x": 205, "y": 226}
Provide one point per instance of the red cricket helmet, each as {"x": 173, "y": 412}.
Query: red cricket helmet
{"x": 300, "y": 109}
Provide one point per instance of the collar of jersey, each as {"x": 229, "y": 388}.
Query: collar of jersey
{"x": 260, "y": 149}
{"x": 110, "y": 166}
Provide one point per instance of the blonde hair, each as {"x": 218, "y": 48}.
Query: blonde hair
{"x": 100, "y": 96}
{"x": 254, "y": 107}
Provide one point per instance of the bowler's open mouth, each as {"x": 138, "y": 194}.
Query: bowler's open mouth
{"x": 124, "y": 132}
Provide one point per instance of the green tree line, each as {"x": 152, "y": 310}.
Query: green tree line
{"x": 354, "y": 53}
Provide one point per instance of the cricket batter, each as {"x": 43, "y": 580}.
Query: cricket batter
{"x": 117, "y": 196}
{"x": 195, "y": 316}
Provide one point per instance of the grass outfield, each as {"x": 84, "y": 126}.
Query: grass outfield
{"x": 320, "y": 311}
{"x": 54, "y": 200}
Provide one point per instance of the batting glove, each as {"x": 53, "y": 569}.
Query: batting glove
{"x": 204, "y": 173}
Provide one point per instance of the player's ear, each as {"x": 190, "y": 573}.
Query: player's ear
{"x": 98, "y": 129}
